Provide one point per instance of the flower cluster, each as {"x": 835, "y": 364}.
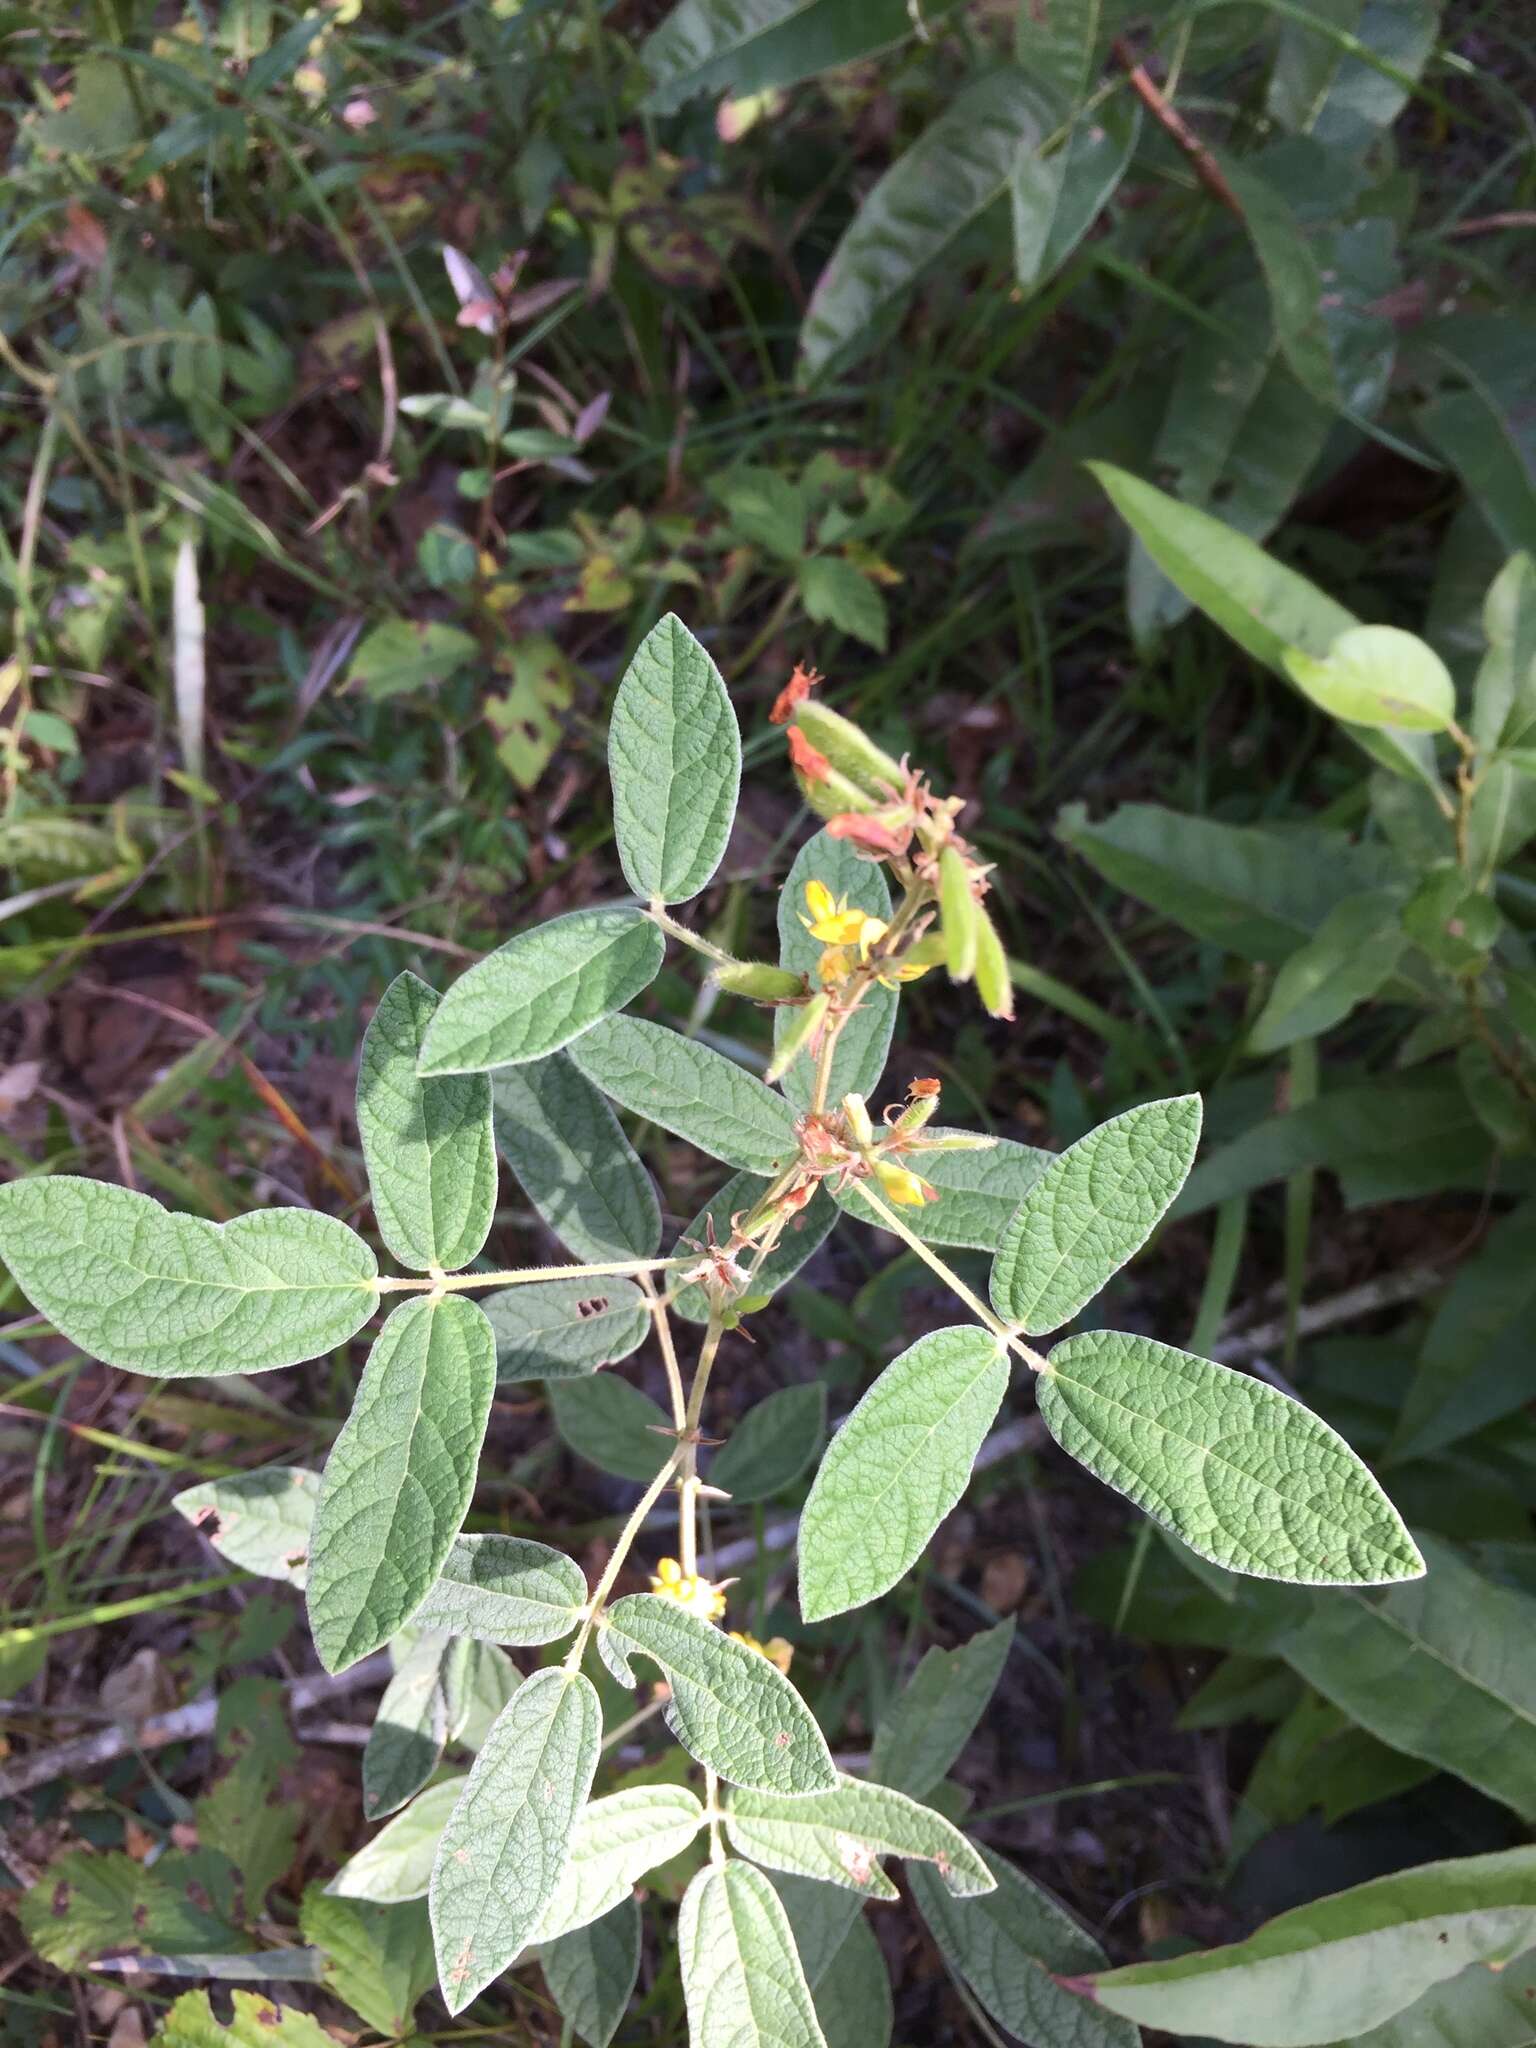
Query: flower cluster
{"x": 698, "y": 1596}
{"x": 847, "y": 934}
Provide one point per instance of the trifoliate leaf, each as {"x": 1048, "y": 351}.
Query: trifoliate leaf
{"x": 505, "y": 1589}
{"x": 840, "y": 1836}
{"x": 1240, "y": 1472}
{"x": 258, "y": 1520}
{"x": 1091, "y": 1210}
{"x": 431, "y": 1160}
{"x": 896, "y": 1468}
{"x": 562, "y": 1329}
{"x": 538, "y": 991}
{"x": 508, "y": 1840}
{"x": 741, "y": 1976}
{"x": 674, "y": 755}
{"x": 172, "y": 1296}
{"x": 575, "y": 1164}
{"x": 397, "y": 1863}
{"x": 772, "y": 1444}
{"x": 400, "y": 1475}
{"x": 730, "y": 1707}
{"x": 617, "y": 1840}
{"x": 591, "y": 1972}
{"x": 690, "y": 1090}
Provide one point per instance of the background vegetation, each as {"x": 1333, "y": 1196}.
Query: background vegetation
{"x": 813, "y": 356}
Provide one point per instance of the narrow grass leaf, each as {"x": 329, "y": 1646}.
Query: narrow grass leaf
{"x": 188, "y": 662}
{"x": 742, "y": 1979}
{"x": 505, "y": 1589}
{"x": 690, "y": 1090}
{"x": 839, "y": 1837}
{"x": 674, "y": 757}
{"x": 575, "y": 1164}
{"x": 592, "y": 1971}
{"x": 258, "y": 1520}
{"x": 935, "y": 1715}
{"x": 563, "y": 1329}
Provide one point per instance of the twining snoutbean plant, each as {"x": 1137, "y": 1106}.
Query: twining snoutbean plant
{"x": 522, "y": 1057}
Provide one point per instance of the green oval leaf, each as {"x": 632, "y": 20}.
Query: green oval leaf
{"x": 742, "y": 47}
{"x": 591, "y": 1972}
{"x": 931, "y": 1721}
{"x": 560, "y": 1329}
{"x": 839, "y": 1837}
{"x": 742, "y": 1979}
{"x": 397, "y": 1864}
{"x": 689, "y": 1090}
{"x": 1091, "y": 1210}
{"x": 865, "y": 1039}
{"x": 674, "y": 757}
{"x": 617, "y": 1840}
{"x": 505, "y": 1589}
{"x": 772, "y": 1444}
{"x": 258, "y": 1520}
{"x": 400, "y": 1475}
{"x": 896, "y": 1468}
{"x": 730, "y": 1707}
{"x": 508, "y": 1840}
{"x": 1239, "y": 1471}
{"x": 1377, "y": 675}
{"x": 538, "y": 991}
{"x": 612, "y": 1425}
{"x": 574, "y": 1162}
{"x": 428, "y": 1147}
{"x": 176, "y": 1297}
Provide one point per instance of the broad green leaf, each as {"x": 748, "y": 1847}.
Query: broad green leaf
{"x": 575, "y": 1164}
{"x": 1349, "y": 959}
{"x": 934, "y": 192}
{"x": 490, "y": 1680}
{"x": 1237, "y": 1470}
{"x": 1474, "y": 1363}
{"x": 1009, "y": 1947}
{"x": 612, "y": 1425}
{"x": 836, "y": 593}
{"x": 617, "y": 1840}
{"x": 1295, "y": 282}
{"x": 821, "y": 1918}
{"x": 1482, "y": 430}
{"x": 1481, "y": 2008}
{"x": 562, "y": 1329}
{"x": 1334, "y": 1968}
{"x": 840, "y": 1836}
{"x": 410, "y": 654}
{"x": 591, "y": 1972}
{"x": 865, "y": 1040}
{"x": 1504, "y": 695}
{"x": 1316, "y": 1759}
{"x": 377, "y": 1958}
{"x": 258, "y": 1520}
{"x": 415, "y": 1718}
{"x": 400, "y": 1475}
{"x": 744, "y": 47}
{"x": 689, "y": 1090}
{"x": 741, "y": 1976}
{"x": 256, "y": 2023}
{"x": 674, "y": 756}
{"x": 175, "y": 1297}
{"x": 1057, "y": 199}
{"x": 772, "y": 1444}
{"x": 540, "y": 990}
{"x": 431, "y": 1160}
{"x": 896, "y": 1467}
{"x": 87, "y": 1904}
{"x": 507, "y": 1842}
{"x": 1256, "y": 891}
{"x": 1091, "y": 1210}
{"x": 397, "y": 1864}
{"x": 1378, "y": 675}
{"x": 933, "y": 1718}
{"x": 730, "y": 1707}
{"x": 804, "y": 1235}
{"x": 505, "y": 1589}
{"x": 978, "y": 1192}
{"x": 853, "y": 1996}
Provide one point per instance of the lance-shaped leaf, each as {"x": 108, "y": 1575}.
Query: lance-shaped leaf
{"x": 258, "y": 1520}
{"x": 617, "y": 1840}
{"x": 1481, "y": 2008}
{"x": 1329, "y": 1970}
{"x": 575, "y": 1164}
{"x": 400, "y": 1475}
{"x": 742, "y": 47}
{"x": 802, "y": 1235}
{"x": 397, "y": 1864}
{"x": 540, "y": 990}
{"x": 689, "y": 1090}
{"x": 674, "y": 757}
{"x": 772, "y": 1444}
{"x": 853, "y": 1994}
{"x": 431, "y": 1159}
{"x": 562, "y": 1329}
{"x": 172, "y": 1296}
{"x": 416, "y": 1716}
{"x": 505, "y": 1589}
{"x": 840, "y": 1836}
{"x": 865, "y": 1039}
{"x": 612, "y": 1425}
{"x": 730, "y": 1707}
{"x": 1093, "y": 1209}
{"x": 978, "y": 1193}
{"x": 1239, "y": 1471}
{"x": 1006, "y": 1947}
{"x": 742, "y": 1979}
{"x": 933, "y": 1718}
{"x": 591, "y": 1972}
{"x": 896, "y": 1468}
{"x": 508, "y": 1840}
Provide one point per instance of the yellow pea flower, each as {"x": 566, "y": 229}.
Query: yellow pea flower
{"x": 697, "y": 1595}
{"x": 778, "y": 1652}
{"x": 835, "y": 924}
{"x": 903, "y": 1186}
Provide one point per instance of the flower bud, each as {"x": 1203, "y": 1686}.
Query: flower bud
{"x": 857, "y": 1113}
{"x": 956, "y": 1141}
{"x": 993, "y": 984}
{"x": 755, "y": 978}
{"x": 921, "y": 1109}
{"x": 828, "y": 793}
{"x": 804, "y": 1029}
{"x": 957, "y": 911}
{"x": 902, "y": 1186}
{"x": 850, "y": 751}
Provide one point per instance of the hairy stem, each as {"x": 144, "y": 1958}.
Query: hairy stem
{"x": 661, "y": 917}
{"x": 621, "y": 1550}
{"x": 952, "y": 1281}
{"x": 456, "y": 1283}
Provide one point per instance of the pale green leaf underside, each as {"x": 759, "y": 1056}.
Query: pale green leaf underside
{"x": 561, "y": 1329}
{"x": 772, "y": 1444}
{"x": 896, "y": 1467}
{"x": 414, "y": 1721}
{"x": 489, "y": 1683}
{"x": 428, "y": 1146}
{"x": 1091, "y": 1210}
{"x": 730, "y": 1707}
{"x": 397, "y": 1864}
{"x": 173, "y": 1296}
{"x": 505, "y": 1589}
{"x": 1240, "y": 1472}
{"x": 742, "y": 1979}
{"x": 690, "y": 1090}
{"x": 507, "y": 1842}
{"x": 865, "y": 1038}
{"x": 258, "y": 1520}
{"x": 538, "y": 991}
{"x": 617, "y": 1840}
{"x": 591, "y": 1972}
{"x": 803, "y": 1235}
{"x": 839, "y": 1836}
{"x": 575, "y": 1164}
{"x": 400, "y": 1475}
{"x": 978, "y": 1194}
{"x": 674, "y": 756}
{"x": 931, "y": 1721}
